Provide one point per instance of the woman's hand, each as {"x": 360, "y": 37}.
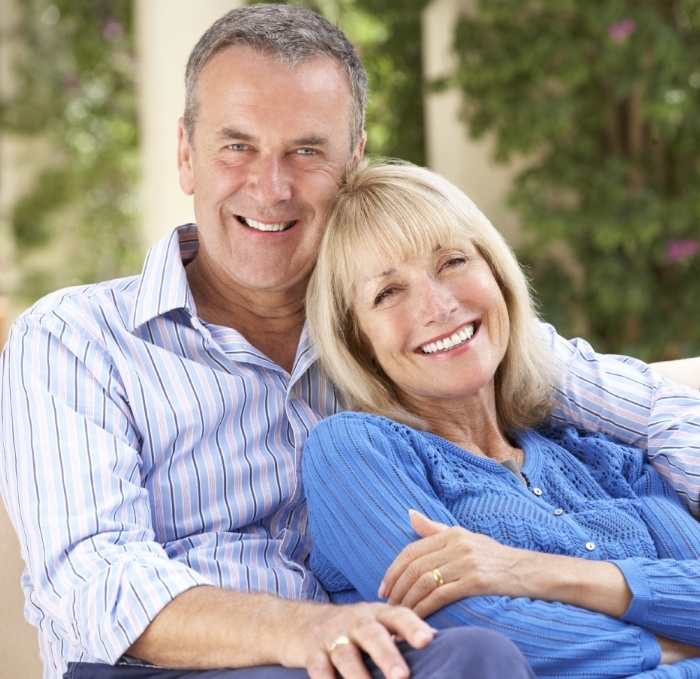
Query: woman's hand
{"x": 450, "y": 563}
{"x": 674, "y": 651}
{"x": 468, "y": 563}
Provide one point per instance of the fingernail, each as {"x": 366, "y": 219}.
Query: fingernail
{"x": 423, "y": 636}
{"x": 382, "y": 590}
{"x": 398, "y": 672}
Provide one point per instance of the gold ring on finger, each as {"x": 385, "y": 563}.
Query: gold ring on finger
{"x": 437, "y": 576}
{"x": 338, "y": 641}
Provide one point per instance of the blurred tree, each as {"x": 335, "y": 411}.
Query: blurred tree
{"x": 604, "y": 96}
{"x": 74, "y": 92}
{"x": 387, "y": 35}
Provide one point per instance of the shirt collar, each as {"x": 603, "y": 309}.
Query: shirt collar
{"x": 163, "y": 286}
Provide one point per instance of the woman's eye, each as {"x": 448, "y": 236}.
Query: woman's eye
{"x": 383, "y": 295}
{"x": 455, "y": 260}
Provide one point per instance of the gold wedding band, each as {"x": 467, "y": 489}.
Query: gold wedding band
{"x": 437, "y": 576}
{"x": 338, "y": 641}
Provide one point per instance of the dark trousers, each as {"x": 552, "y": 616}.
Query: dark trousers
{"x": 458, "y": 653}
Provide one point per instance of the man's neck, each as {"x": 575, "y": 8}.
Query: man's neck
{"x": 271, "y": 321}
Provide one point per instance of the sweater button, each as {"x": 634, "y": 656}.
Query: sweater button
{"x": 558, "y": 512}
{"x": 590, "y": 546}
{"x": 537, "y": 491}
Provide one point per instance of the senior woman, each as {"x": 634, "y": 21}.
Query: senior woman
{"x": 566, "y": 541}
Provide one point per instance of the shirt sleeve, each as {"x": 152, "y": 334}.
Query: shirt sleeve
{"x": 71, "y": 482}
{"x": 361, "y": 479}
{"x": 625, "y": 398}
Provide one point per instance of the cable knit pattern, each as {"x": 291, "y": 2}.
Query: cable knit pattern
{"x": 363, "y": 473}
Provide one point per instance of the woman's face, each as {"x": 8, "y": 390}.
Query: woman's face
{"x": 437, "y": 324}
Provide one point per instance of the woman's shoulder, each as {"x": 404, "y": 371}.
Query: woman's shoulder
{"x": 353, "y": 422}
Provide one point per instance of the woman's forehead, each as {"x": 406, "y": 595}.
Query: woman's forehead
{"x": 377, "y": 264}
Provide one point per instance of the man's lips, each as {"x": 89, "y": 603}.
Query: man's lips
{"x": 462, "y": 335}
{"x": 262, "y": 226}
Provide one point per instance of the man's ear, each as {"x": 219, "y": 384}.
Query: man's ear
{"x": 360, "y": 149}
{"x": 184, "y": 160}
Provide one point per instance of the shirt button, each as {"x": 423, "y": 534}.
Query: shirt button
{"x": 537, "y": 491}
{"x": 590, "y": 546}
{"x": 558, "y": 512}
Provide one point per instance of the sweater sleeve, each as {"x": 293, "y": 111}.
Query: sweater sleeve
{"x": 665, "y": 591}
{"x": 361, "y": 478}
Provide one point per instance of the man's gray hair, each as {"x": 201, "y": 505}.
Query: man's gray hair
{"x": 287, "y": 33}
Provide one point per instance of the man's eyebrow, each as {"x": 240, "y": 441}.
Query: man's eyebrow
{"x": 312, "y": 140}
{"x": 233, "y": 134}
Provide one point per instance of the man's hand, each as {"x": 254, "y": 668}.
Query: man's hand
{"x": 335, "y": 639}
{"x": 211, "y": 628}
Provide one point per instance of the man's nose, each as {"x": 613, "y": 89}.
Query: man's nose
{"x": 269, "y": 181}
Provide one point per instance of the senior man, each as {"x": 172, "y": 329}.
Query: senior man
{"x": 152, "y": 427}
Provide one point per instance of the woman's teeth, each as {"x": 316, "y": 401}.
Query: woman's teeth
{"x": 450, "y": 342}
{"x": 259, "y": 226}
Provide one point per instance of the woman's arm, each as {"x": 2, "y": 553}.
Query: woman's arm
{"x": 361, "y": 480}
{"x": 660, "y": 594}
{"x": 474, "y": 565}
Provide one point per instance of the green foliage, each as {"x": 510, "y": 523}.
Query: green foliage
{"x": 387, "y": 35}
{"x": 604, "y": 97}
{"x": 74, "y": 91}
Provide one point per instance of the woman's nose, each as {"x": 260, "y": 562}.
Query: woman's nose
{"x": 438, "y": 301}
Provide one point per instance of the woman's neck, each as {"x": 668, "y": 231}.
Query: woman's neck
{"x": 473, "y": 425}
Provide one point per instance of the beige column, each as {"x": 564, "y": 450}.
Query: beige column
{"x": 166, "y": 31}
{"x": 450, "y": 149}
{"x": 19, "y": 648}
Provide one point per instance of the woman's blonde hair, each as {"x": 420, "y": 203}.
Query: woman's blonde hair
{"x": 404, "y": 211}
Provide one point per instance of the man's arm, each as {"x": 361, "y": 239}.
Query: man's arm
{"x": 72, "y": 478}
{"x": 625, "y": 398}
{"x": 207, "y": 628}
{"x": 684, "y": 371}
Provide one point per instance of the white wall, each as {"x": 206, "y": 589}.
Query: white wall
{"x": 19, "y": 649}
{"x": 450, "y": 149}
{"x": 166, "y": 31}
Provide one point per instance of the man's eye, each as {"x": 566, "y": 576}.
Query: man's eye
{"x": 237, "y": 147}
{"x": 306, "y": 152}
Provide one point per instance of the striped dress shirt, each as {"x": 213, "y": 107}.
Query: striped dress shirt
{"x": 145, "y": 452}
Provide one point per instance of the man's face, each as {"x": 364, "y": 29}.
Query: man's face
{"x": 269, "y": 148}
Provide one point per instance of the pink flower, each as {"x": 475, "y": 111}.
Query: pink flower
{"x": 681, "y": 249}
{"x": 620, "y": 31}
{"x": 113, "y": 31}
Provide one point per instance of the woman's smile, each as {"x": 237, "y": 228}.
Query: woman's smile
{"x": 457, "y": 339}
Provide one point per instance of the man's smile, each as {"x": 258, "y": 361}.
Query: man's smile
{"x": 261, "y": 226}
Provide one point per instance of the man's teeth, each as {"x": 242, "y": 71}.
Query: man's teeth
{"x": 449, "y": 342}
{"x": 253, "y": 224}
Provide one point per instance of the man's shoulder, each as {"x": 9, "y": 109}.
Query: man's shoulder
{"x": 83, "y": 306}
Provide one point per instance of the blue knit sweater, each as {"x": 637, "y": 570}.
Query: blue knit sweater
{"x": 362, "y": 473}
